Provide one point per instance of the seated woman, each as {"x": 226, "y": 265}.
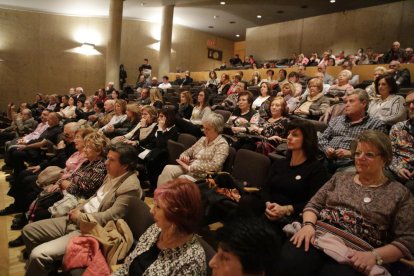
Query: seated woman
{"x": 389, "y": 107}
{"x": 157, "y": 157}
{"x": 68, "y": 112}
{"x": 243, "y": 116}
{"x": 255, "y": 79}
{"x": 378, "y": 71}
{"x": 247, "y": 246}
{"x": 100, "y": 96}
{"x": 185, "y": 108}
{"x": 206, "y": 155}
{"x": 315, "y": 105}
{"x": 200, "y": 110}
{"x": 170, "y": 246}
{"x": 288, "y": 93}
{"x": 213, "y": 81}
{"x": 118, "y": 117}
{"x": 156, "y": 98}
{"x": 337, "y": 91}
{"x": 272, "y": 129}
{"x": 133, "y": 116}
{"x": 224, "y": 84}
{"x": 143, "y": 135}
{"x": 88, "y": 177}
{"x": 365, "y": 208}
{"x": 294, "y": 78}
{"x": 262, "y": 102}
{"x": 83, "y": 112}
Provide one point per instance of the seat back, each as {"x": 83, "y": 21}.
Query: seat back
{"x": 174, "y": 151}
{"x": 251, "y": 167}
{"x": 228, "y": 164}
{"x": 225, "y": 113}
{"x": 186, "y": 139}
{"x": 210, "y": 252}
{"x": 139, "y": 218}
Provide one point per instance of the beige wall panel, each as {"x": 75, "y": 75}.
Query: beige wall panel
{"x": 375, "y": 27}
{"x": 33, "y": 46}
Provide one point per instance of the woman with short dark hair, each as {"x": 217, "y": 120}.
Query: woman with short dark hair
{"x": 389, "y": 107}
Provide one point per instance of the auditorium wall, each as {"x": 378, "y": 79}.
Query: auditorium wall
{"x": 375, "y": 27}
{"x": 35, "y": 49}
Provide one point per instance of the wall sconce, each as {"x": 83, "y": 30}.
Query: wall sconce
{"x": 88, "y": 49}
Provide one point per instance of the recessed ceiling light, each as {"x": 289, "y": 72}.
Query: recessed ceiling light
{"x": 237, "y": 35}
{"x": 332, "y": 1}
{"x": 210, "y": 27}
{"x": 222, "y": 3}
{"x": 232, "y": 22}
{"x": 259, "y": 16}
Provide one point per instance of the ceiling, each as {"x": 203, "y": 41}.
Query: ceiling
{"x": 205, "y": 15}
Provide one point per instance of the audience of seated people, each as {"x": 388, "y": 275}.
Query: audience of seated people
{"x": 144, "y": 126}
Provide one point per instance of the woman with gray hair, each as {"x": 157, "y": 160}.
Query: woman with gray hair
{"x": 206, "y": 155}
{"x": 339, "y": 90}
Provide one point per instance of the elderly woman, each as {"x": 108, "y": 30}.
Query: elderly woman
{"x": 378, "y": 71}
{"x": 119, "y": 116}
{"x": 206, "y": 155}
{"x": 133, "y": 116}
{"x": 315, "y": 105}
{"x": 243, "y": 116}
{"x": 288, "y": 93}
{"x": 339, "y": 90}
{"x": 273, "y": 129}
{"x": 352, "y": 207}
{"x": 389, "y": 107}
{"x": 170, "y": 246}
{"x": 247, "y": 246}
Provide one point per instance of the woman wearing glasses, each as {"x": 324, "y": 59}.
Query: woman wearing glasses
{"x": 364, "y": 208}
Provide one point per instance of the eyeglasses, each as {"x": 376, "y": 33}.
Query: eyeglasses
{"x": 407, "y": 104}
{"x": 368, "y": 155}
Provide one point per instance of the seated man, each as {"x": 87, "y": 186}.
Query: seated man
{"x": 109, "y": 107}
{"x": 402, "y": 76}
{"x": 165, "y": 84}
{"x": 236, "y": 61}
{"x": 21, "y": 125}
{"x": 187, "y": 79}
{"x": 31, "y": 152}
{"x": 335, "y": 141}
{"x": 402, "y": 140}
{"x": 46, "y": 240}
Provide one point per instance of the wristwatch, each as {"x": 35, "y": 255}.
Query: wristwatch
{"x": 378, "y": 258}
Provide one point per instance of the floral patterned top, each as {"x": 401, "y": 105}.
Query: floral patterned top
{"x": 188, "y": 259}
{"x": 402, "y": 140}
{"x": 276, "y": 128}
{"x": 379, "y": 215}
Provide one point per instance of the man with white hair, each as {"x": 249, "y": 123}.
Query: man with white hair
{"x": 402, "y": 76}
{"x": 109, "y": 106}
{"x": 395, "y": 53}
{"x": 110, "y": 88}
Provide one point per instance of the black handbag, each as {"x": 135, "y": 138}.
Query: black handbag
{"x": 39, "y": 208}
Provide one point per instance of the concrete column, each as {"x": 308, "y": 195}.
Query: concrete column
{"x": 113, "y": 49}
{"x": 165, "y": 43}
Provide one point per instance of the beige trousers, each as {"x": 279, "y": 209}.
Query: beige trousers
{"x": 171, "y": 172}
{"x": 46, "y": 241}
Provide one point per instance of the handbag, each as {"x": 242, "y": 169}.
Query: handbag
{"x": 265, "y": 147}
{"x": 49, "y": 176}
{"x": 38, "y": 210}
{"x": 63, "y": 206}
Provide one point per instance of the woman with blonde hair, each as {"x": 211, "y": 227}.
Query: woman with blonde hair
{"x": 288, "y": 93}
{"x": 185, "y": 108}
{"x": 156, "y": 98}
{"x": 133, "y": 116}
